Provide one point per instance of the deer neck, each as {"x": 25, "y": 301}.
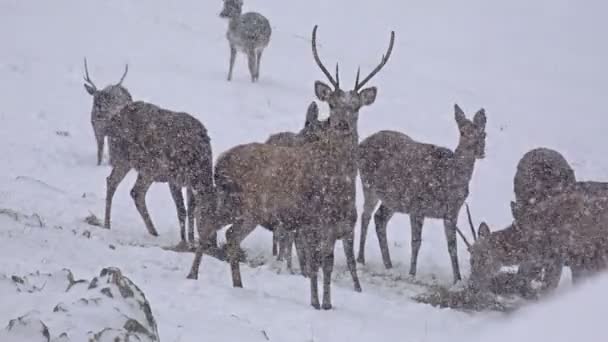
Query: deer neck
{"x": 464, "y": 163}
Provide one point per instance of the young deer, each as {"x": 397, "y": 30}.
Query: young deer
{"x": 312, "y": 130}
{"x": 310, "y": 187}
{"x": 107, "y": 102}
{"x": 248, "y": 33}
{"x": 418, "y": 179}
{"x": 162, "y": 146}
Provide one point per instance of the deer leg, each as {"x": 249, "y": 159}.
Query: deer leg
{"x": 313, "y": 261}
{"x": 232, "y": 59}
{"x": 416, "y": 223}
{"x": 251, "y": 63}
{"x": 553, "y": 274}
{"x": 328, "y": 267}
{"x": 138, "y": 193}
{"x": 301, "y": 252}
{"x": 100, "y": 138}
{"x": 348, "y": 244}
{"x": 205, "y": 231}
{"x": 381, "y": 218}
{"x": 178, "y": 198}
{"x": 191, "y": 209}
{"x": 237, "y": 233}
{"x": 369, "y": 204}
{"x": 258, "y": 57}
{"x": 275, "y": 243}
{"x": 286, "y": 247}
{"x": 450, "y": 235}
{"x": 112, "y": 181}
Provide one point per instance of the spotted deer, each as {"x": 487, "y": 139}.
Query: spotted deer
{"x": 543, "y": 181}
{"x": 107, "y": 103}
{"x": 283, "y": 239}
{"x": 419, "y": 179}
{"x": 162, "y": 146}
{"x": 310, "y": 187}
{"x": 248, "y": 33}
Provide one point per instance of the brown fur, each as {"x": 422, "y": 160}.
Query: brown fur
{"x": 418, "y": 179}
{"x": 162, "y": 146}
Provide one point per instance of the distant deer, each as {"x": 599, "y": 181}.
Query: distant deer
{"x": 311, "y": 187}
{"x": 162, "y": 146}
{"x": 106, "y": 104}
{"x": 418, "y": 179}
{"x": 312, "y": 130}
{"x": 248, "y": 33}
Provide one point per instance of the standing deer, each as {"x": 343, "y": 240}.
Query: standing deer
{"x": 106, "y": 104}
{"x": 248, "y": 33}
{"x": 310, "y": 187}
{"x": 311, "y": 132}
{"x": 162, "y": 146}
{"x": 418, "y": 179}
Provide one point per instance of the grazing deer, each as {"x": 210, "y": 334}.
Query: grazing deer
{"x": 568, "y": 228}
{"x": 162, "y": 146}
{"x": 311, "y": 187}
{"x": 248, "y": 33}
{"x": 418, "y": 179}
{"x": 541, "y": 175}
{"x": 106, "y": 104}
{"x": 313, "y": 128}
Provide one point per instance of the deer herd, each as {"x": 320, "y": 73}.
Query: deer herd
{"x": 301, "y": 186}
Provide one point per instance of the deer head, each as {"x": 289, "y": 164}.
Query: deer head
{"x": 472, "y": 133}
{"x": 109, "y": 100}
{"x": 232, "y": 8}
{"x": 344, "y": 105}
{"x": 313, "y": 128}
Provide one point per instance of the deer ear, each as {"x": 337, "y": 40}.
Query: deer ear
{"x": 480, "y": 118}
{"x": 312, "y": 114}
{"x": 322, "y": 90}
{"x": 459, "y": 115}
{"x": 483, "y": 231}
{"x": 368, "y": 95}
{"x": 89, "y": 89}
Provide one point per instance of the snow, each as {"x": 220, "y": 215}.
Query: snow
{"x": 538, "y": 68}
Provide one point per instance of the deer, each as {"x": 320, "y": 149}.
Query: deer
{"x": 541, "y": 175}
{"x": 419, "y": 179}
{"x": 107, "y": 103}
{"x": 567, "y": 229}
{"x": 248, "y": 33}
{"x": 309, "y": 133}
{"x": 162, "y": 146}
{"x": 310, "y": 187}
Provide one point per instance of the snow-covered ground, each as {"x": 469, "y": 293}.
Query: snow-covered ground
{"x": 538, "y": 68}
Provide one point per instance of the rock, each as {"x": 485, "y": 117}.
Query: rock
{"x": 110, "y": 307}
{"x": 27, "y": 328}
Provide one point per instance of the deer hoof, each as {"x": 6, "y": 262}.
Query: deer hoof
{"x": 326, "y": 306}
{"x": 358, "y": 288}
{"x": 192, "y": 276}
{"x": 316, "y": 306}
{"x": 361, "y": 260}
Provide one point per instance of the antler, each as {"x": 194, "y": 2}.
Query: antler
{"x": 87, "y": 78}
{"x": 471, "y": 222}
{"x": 380, "y": 66}
{"x": 315, "y": 53}
{"x": 123, "y": 75}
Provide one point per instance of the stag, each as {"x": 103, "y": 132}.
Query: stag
{"x": 309, "y": 187}
{"x": 106, "y": 104}
{"x": 418, "y": 179}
